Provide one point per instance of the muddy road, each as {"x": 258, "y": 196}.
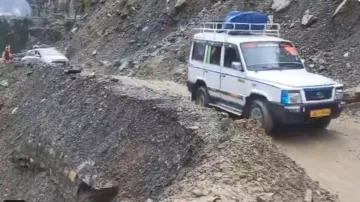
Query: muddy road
{"x": 331, "y": 157}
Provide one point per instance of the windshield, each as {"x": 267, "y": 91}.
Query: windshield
{"x": 262, "y": 56}
{"x": 50, "y": 52}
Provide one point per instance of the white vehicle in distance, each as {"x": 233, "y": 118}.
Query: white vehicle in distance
{"x": 46, "y": 55}
{"x": 255, "y": 74}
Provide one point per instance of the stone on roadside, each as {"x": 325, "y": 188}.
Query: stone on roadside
{"x": 94, "y": 52}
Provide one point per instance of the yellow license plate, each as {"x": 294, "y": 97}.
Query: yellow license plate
{"x": 320, "y": 113}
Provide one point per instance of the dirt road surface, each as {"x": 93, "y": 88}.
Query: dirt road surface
{"x": 330, "y": 157}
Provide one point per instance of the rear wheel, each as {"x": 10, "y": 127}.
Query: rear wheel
{"x": 201, "y": 96}
{"x": 261, "y": 114}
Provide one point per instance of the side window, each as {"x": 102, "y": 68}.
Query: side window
{"x": 231, "y": 55}
{"x": 198, "y": 52}
{"x": 214, "y": 54}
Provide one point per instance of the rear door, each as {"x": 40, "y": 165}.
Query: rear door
{"x": 196, "y": 61}
{"x": 233, "y": 82}
{"x": 212, "y": 68}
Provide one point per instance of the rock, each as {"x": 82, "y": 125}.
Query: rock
{"x": 4, "y": 83}
{"x": 126, "y": 65}
{"x": 180, "y": 3}
{"x": 224, "y": 124}
{"x": 280, "y": 5}
{"x": 72, "y": 71}
{"x": 14, "y": 110}
{"x": 144, "y": 29}
{"x": 265, "y": 197}
{"x": 132, "y": 41}
{"x": 29, "y": 73}
{"x": 194, "y": 128}
{"x": 341, "y": 7}
{"x": 73, "y": 30}
{"x": 197, "y": 192}
{"x": 346, "y": 55}
{"x": 149, "y": 200}
{"x": 113, "y": 79}
{"x": 105, "y": 63}
{"x": 352, "y": 95}
{"x": 91, "y": 75}
{"x": 308, "y": 19}
{"x": 117, "y": 63}
{"x": 72, "y": 175}
{"x": 308, "y": 196}
{"x": 94, "y": 52}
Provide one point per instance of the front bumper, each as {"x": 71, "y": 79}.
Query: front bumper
{"x": 296, "y": 114}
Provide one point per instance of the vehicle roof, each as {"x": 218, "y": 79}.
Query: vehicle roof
{"x": 234, "y": 39}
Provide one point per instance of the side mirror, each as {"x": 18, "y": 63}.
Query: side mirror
{"x": 237, "y": 65}
{"x": 303, "y": 61}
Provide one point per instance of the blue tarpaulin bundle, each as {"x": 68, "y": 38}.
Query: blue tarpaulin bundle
{"x": 253, "y": 21}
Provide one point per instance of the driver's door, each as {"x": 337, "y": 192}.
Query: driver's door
{"x": 233, "y": 82}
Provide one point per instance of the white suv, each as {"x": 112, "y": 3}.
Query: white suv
{"x": 259, "y": 76}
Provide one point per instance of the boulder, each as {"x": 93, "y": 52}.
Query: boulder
{"x": 280, "y": 5}
{"x": 308, "y": 19}
{"x": 352, "y": 95}
{"x": 341, "y": 7}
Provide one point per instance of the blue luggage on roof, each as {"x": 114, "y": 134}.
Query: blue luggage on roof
{"x": 253, "y": 21}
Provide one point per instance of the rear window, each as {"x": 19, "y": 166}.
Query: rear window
{"x": 198, "y": 52}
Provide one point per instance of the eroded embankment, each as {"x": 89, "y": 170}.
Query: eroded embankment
{"x": 84, "y": 137}
{"x": 66, "y": 126}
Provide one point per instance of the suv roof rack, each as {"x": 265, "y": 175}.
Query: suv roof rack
{"x": 221, "y": 26}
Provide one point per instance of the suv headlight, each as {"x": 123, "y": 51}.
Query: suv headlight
{"x": 290, "y": 97}
{"x": 339, "y": 93}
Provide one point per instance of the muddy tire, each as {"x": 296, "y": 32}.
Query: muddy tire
{"x": 320, "y": 124}
{"x": 261, "y": 114}
{"x": 201, "y": 96}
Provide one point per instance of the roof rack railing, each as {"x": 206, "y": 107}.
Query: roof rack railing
{"x": 217, "y": 26}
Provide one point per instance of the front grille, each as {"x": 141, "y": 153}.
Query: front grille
{"x": 313, "y": 94}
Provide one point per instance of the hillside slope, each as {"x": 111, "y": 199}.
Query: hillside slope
{"x": 151, "y": 38}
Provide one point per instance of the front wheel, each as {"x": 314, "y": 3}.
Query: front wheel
{"x": 261, "y": 114}
{"x": 201, "y": 96}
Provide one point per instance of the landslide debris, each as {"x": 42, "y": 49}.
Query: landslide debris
{"x": 88, "y": 137}
{"x": 151, "y": 39}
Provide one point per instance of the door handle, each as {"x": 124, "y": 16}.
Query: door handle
{"x": 223, "y": 75}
